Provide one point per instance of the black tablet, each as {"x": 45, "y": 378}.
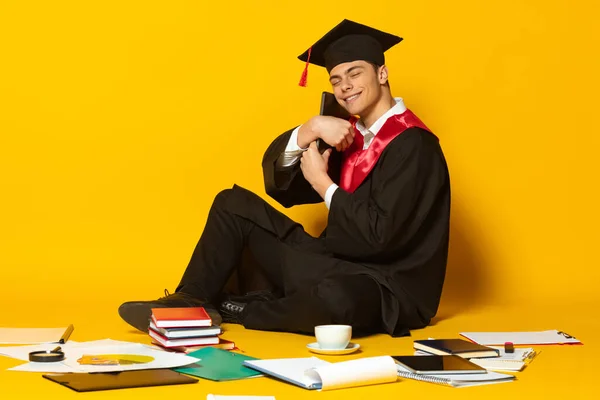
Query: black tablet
{"x": 120, "y": 380}
{"x": 438, "y": 365}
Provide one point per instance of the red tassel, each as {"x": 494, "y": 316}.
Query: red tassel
{"x": 304, "y": 77}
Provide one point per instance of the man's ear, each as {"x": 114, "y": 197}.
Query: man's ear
{"x": 382, "y": 75}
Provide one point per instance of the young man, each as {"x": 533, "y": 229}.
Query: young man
{"x": 380, "y": 264}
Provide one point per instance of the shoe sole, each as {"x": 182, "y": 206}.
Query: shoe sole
{"x": 137, "y": 315}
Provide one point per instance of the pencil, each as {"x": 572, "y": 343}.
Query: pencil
{"x": 66, "y": 335}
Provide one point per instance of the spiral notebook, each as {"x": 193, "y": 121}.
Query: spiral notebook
{"x": 457, "y": 380}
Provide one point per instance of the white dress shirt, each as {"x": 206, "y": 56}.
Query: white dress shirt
{"x": 293, "y": 152}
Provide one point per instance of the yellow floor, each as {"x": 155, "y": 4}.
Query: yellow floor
{"x": 562, "y": 372}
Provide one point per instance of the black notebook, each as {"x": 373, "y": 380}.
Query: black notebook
{"x": 120, "y": 380}
{"x": 457, "y": 347}
{"x": 331, "y": 108}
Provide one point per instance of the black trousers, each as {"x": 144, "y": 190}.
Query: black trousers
{"x": 337, "y": 299}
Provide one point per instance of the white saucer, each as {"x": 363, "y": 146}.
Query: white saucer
{"x": 351, "y": 348}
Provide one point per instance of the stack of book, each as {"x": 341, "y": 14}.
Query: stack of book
{"x": 185, "y": 329}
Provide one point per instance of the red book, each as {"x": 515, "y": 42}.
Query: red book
{"x": 180, "y": 317}
{"x": 223, "y": 344}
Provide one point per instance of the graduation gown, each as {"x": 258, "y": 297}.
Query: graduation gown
{"x": 394, "y": 227}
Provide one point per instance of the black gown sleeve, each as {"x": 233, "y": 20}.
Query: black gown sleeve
{"x": 407, "y": 180}
{"x": 287, "y": 185}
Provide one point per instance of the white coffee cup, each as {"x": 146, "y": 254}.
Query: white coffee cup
{"x": 333, "y": 337}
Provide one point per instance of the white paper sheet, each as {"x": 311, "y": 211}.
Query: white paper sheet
{"x": 521, "y": 338}
{"x": 73, "y": 351}
{"x": 57, "y": 367}
{"x": 499, "y": 365}
{"x": 30, "y": 335}
{"x": 519, "y": 354}
{"x": 162, "y": 359}
{"x": 22, "y": 352}
{"x": 220, "y": 397}
{"x": 359, "y": 372}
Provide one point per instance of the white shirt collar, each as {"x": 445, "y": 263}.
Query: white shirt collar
{"x": 399, "y": 108}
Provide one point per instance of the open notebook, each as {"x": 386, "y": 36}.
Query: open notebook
{"x": 314, "y": 373}
{"x": 457, "y": 380}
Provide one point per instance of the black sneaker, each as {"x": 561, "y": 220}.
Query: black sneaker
{"x": 137, "y": 313}
{"x": 232, "y": 307}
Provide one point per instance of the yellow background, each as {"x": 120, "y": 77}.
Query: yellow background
{"x": 120, "y": 121}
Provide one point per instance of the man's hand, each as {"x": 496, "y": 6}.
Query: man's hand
{"x": 314, "y": 167}
{"x": 336, "y": 132}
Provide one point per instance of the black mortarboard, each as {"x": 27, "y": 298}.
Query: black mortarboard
{"x": 348, "y": 41}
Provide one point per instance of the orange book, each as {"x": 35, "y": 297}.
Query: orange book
{"x": 180, "y": 317}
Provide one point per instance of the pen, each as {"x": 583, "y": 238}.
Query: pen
{"x": 530, "y": 356}
{"x": 66, "y": 335}
{"x": 566, "y": 335}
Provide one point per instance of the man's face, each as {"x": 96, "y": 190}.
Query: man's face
{"x": 356, "y": 85}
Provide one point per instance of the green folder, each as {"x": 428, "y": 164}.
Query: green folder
{"x": 218, "y": 365}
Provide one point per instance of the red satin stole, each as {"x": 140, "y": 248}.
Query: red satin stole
{"x": 358, "y": 163}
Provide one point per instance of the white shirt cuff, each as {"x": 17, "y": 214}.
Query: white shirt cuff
{"x": 293, "y": 143}
{"x": 292, "y": 153}
{"x": 329, "y": 194}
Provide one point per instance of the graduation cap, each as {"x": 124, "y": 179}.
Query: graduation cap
{"x": 348, "y": 41}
